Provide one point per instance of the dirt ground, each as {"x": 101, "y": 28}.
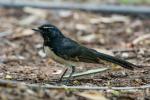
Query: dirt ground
{"x": 22, "y": 58}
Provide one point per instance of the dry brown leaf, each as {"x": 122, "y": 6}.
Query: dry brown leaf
{"x": 112, "y": 19}
{"x": 115, "y": 67}
{"x": 50, "y": 61}
{"x": 104, "y": 51}
{"x": 8, "y": 77}
{"x": 36, "y": 14}
{"x": 141, "y": 38}
{"x": 57, "y": 72}
{"x": 20, "y": 32}
{"x": 65, "y": 14}
{"x": 35, "y": 11}
{"x": 88, "y": 38}
{"x": 81, "y": 27}
{"x": 29, "y": 20}
{"x": 93, "y": 95}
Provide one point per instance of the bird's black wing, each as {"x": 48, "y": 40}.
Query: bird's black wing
{"x": 73, "y": 51}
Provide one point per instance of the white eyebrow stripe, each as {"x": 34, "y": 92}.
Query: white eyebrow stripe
{"x": 48, "y": 27}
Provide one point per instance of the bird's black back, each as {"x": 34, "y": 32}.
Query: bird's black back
{"x": 72, "y": 51}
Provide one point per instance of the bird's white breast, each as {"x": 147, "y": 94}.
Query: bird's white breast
{"x": 56, "y": 58}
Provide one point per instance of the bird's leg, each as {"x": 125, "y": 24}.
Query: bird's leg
{"x": 72, "y": 72}
{"x": 60, "y": 79}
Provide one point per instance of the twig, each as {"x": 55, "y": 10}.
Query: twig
{"x": 77, "y": 6}
{"x": 87, "y": 87}
{"x": 89, "y": 72}
{"x": 63, "y": 75}
{"x": 125, "y": 50}
{"x": 15, "y": 84}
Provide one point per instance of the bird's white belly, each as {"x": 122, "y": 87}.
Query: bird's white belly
{"x": 56, "y": 58}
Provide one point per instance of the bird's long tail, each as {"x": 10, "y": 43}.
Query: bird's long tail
{"x": 117, "y": 61}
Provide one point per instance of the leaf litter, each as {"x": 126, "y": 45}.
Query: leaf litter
{"x": 22, "y": 59}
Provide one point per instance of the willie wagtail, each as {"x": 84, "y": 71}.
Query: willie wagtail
{"x": 68, "y": 52}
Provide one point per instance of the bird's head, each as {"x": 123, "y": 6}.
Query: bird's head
{"x": 49, "y": 32}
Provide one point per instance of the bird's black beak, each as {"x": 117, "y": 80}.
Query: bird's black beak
{"x": 36, "y": 30}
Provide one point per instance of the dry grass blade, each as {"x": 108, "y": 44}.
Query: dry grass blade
{"x": 89, "y": 72}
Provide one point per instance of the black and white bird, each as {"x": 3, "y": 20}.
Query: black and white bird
{"x": 68, "y": 52}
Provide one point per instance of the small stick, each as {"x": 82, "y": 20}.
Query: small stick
{"x": 63, "y": 75}
{"x": 125, "y": 50}
{"x": 89, "y": 72}
{"x": 15, "y": 84}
